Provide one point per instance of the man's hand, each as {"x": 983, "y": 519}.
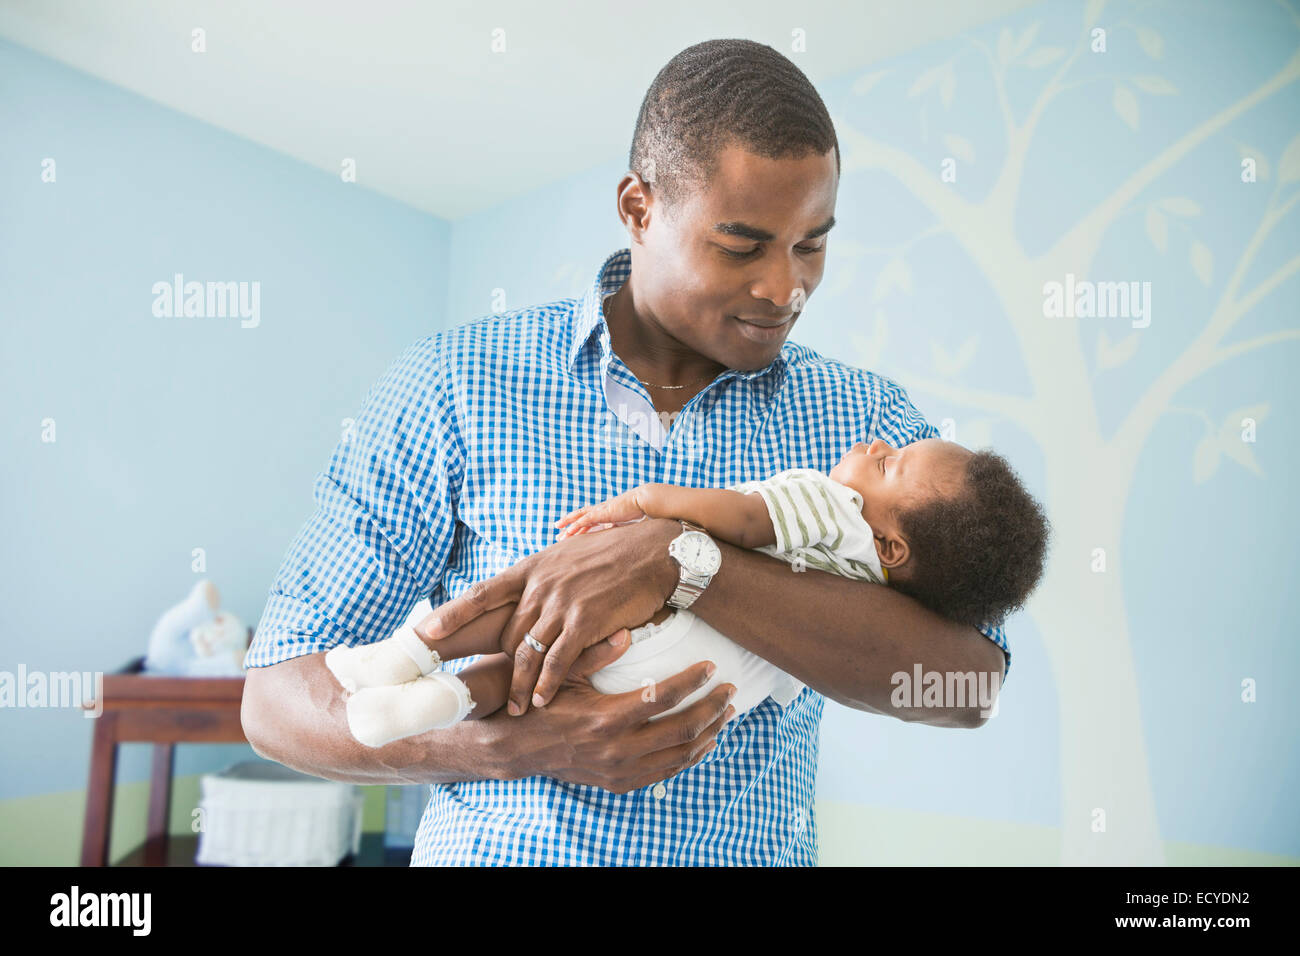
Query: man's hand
{"x": 568, "y": 596}
{"x": 609, "y": 741}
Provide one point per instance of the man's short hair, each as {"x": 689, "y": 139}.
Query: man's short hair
{"x": 722, "y": 93}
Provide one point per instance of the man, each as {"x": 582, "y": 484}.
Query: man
{"x": 480, "y": 437}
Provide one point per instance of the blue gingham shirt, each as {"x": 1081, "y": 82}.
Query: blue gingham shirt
{"x": 464, "y": 455}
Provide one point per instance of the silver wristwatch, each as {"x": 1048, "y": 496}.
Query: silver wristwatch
{"x": 698, "y": 560}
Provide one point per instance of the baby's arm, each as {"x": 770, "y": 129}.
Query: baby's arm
{"x": 739, "y": 518}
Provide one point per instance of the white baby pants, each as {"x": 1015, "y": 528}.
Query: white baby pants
{"x": 659, "y": 651}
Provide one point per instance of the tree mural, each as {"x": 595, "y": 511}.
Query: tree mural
{"x": 1080, "y": 614}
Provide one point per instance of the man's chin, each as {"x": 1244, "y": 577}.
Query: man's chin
{"x": 750, "y": 356}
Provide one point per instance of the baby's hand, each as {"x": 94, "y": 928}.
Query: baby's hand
{"x": 598, "y": 517}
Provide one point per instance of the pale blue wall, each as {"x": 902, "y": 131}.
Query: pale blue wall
{"x": 171, "y": 433}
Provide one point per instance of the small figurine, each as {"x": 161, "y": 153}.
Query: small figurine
{"x": 197, "y": 639}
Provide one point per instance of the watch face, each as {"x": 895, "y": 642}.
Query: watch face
{"x": 698, "y": 554}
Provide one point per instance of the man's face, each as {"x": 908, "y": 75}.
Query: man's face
{"x": 729, "y": 270}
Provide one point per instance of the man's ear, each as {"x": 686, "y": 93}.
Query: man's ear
{"x": 893, "y": 550}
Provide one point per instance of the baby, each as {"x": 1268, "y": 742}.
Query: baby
{"x": 954, "y": 529}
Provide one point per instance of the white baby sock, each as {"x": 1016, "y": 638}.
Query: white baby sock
{"x": 380, "y": 715}
{"x": 396, "y": 660}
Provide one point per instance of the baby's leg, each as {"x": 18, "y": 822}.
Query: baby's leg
{"x": 405, "y": 656}
{"x": 489, "y": 683}
{"x": 380, "y": 715}
{"x": 480, "y": 636}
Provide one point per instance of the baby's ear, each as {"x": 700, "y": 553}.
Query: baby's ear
{"x": 893, "y": 550}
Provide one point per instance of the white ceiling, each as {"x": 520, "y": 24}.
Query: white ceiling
{"x": 412, "y": 90}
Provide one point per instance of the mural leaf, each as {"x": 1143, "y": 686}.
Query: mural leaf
{"x": 960, "y": 147}
{"x": 1112, "y": 356}
{"x": 1202, "y": 262}
{"x": 1153, "y": 43}
{"x": 1288, "y": 167}
{"x": 929, "y": 78}
{"x": 1026, "y": 38}
{"x": 1043, "y": 56}
{"x": 1180, "y": 206}
{"x": 863, "y": 84}
{"x": 1227, "y": 442}
{"x": 1157, "y": 229}
{"x": 1126, "y": 105}
{"x": 894, "y": 274}
{"x": 1156, "y": 85}
{"x": 1205, "y": 459}
{"x": 1004, "y": 46}
{"x": 947, "y": 365}
{"x": 1230, "y": 442}
{"x": 871, "y": 349}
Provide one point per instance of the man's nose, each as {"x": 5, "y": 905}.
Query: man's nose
{"x": 783, "y": 285}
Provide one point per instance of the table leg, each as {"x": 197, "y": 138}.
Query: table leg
{"x": 99, "y": 792}
{"x": 160, "y": 801}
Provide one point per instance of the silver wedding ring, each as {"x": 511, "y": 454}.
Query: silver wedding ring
{"x": 534, "y": 643}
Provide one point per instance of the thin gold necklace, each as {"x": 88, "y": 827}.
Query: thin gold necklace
{"x": 604, "y": 308}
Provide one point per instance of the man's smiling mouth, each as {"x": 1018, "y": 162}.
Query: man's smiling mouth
{"x": 765, "y": 330}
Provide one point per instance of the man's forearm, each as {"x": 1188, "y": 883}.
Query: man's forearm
{"x": 844, "y": 638}
{"x": 294, "y": 713}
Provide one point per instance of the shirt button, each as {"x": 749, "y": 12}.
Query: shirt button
{"x": 659, "y": 791}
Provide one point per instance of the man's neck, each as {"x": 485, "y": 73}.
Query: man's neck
{"x": 654, "y": 356}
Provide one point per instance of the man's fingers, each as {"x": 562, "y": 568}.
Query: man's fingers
{"x": 564, "y": 651}
{"x": 601, "y": 654}
{"x": 666, "y": 694}
{"x": 477, "y": 598}
{"x": 662, "y": 764}
{"x": 528, "y": 661}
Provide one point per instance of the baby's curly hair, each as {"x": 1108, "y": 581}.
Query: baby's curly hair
{"x": 977, "y": 556}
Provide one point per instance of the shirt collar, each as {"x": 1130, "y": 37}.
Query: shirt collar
{"x": 590, "y": 317}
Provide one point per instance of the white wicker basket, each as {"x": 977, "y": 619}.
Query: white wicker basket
{"x": 259, "y": 813}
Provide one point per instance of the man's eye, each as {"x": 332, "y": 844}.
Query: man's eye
{"x": 753, "y": 252}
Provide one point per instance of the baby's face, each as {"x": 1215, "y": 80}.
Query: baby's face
{"x": 892, "y": 480}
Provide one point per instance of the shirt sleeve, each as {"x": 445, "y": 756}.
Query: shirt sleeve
{"x": 801, "y": 509}
{"x": 384, "y": 521}
{"x": 899, "y": 423}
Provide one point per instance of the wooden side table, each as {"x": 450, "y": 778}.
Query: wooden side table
{"x": 164, "y": 711}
